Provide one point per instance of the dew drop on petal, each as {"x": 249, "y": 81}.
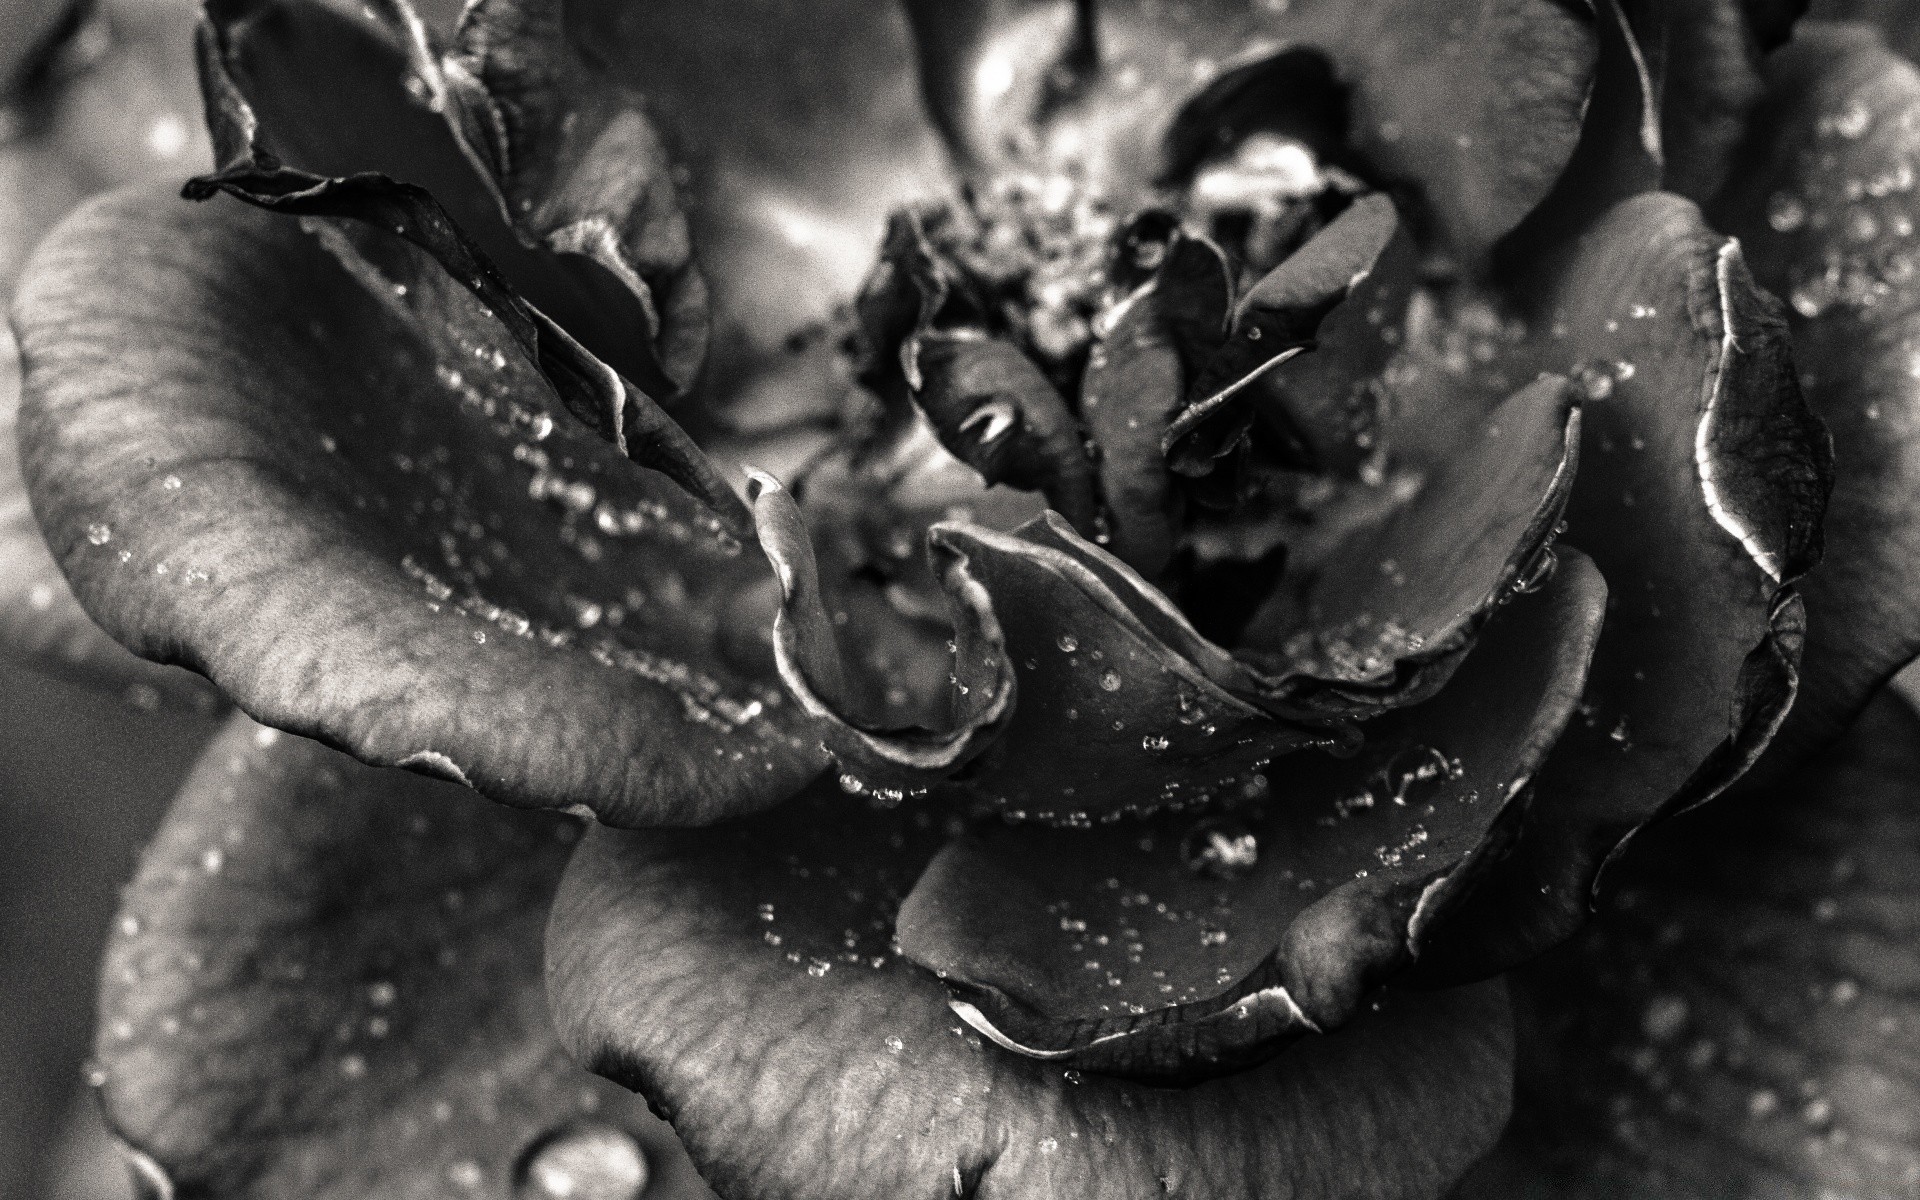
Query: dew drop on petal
{"x": 1220, "y": 847}
{"x": 591, "y": 1161}
{"x": 99, "y": 535}
{"x": 1110, "y": 681}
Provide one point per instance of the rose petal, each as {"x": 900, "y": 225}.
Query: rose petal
{"x": 1473, "y": 111}
{"x": 1622, "y": 149}
{"x": 1739, "y": 1019}
{"x": 1413, "y": 586}
{"x": 1120, "y": 950}
{"x": 42, "y": 627}
{"x": 1103, "y": 716}
{"x": 1137, "y": 378}
{"x": 325, "y": 981}
{"x": 1702, "y": 483}
{"x": 812, "y": 661}
{"x": 379, "y": 536}
{"x": 1826, "y": 219}
{"x": 996, "y": 412}
{"x": 1283, "y": 311}
{"x": 740, "y": 978}
{"x": 579, "y": 167}
{"x": 252, "y": 170}
{"x": 338, "y": 93}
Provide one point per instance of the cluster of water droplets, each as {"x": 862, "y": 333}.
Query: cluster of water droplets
{"x": 1858, "y": 179}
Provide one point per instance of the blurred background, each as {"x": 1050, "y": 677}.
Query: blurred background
{"x": 91, "y": 96}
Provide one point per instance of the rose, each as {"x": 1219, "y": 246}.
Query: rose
{"x": 1703, "y": 332}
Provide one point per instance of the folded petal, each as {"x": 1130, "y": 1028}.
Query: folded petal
{"x": 578, "y": 166}
{"x": 1703, "y": 479}
{"x": 1825, "y": 206}
{"x": 1740, "y": 1017}
{"x": 250, "y": 166}
{"x": 354, "y": 509}
{"x": 740, "y": 979}
{"x": 325, "y": 981}
{"x": 1188, "y": 946}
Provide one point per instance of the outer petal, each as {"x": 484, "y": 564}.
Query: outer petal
{"x": 1151, "y": 951}
{"x": 1702, "y": 484}
{"x": 251, "y": 464}
{"x": 1740, "y": 1018}
{"x": 740, "y": 979}
{"x": 325, "y": 982}
{"x": 41, "y": 625}
{"x": 1825, "y": 201}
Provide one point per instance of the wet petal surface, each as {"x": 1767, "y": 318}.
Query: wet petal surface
{"x": 1702, "y": 482}
{"x": 1740, "y": 1018}
{"x": 371, "y": 527}
{"x": 1826, "y": 207}
{"x": 325, "y": 981}
{"x": 740, "y": 978}
{"x": 1193, "y": 943}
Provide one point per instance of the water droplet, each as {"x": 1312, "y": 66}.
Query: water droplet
{"x": 1049, "y": 1145}
{"x": 592, "y": 1161}
{"x": 1154, "y": 742}
{"x": 465, "y": 1175}
{"x": 1664, "y": 1018}
{"x": 1851, "y": 122}
{"x": 353, "y": 1066}
{"x": 1068, "y": 642}
{"x": 171, "y": 483}
{"x": 1786, "y": 212}
{"x": 1110, "y": 681}
{"x": 99, "y": 535}
{"x": 1221, "y": 848}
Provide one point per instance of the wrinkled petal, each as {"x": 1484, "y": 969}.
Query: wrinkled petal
{"x": 1102, "y": 715}
{"x": 367, "y": 526}
{"x": 250, "y": 168}
{"x": 1702, "y": 482}
{"x": 1472, "y": 112}
{"x": 1825, "y": 205}
{"x": 1159, "y": 950}
{"x": 740, "y": 979}
{"x": 1740, "y": 1017}
{"x": 325, "y": 981}
{"x": 578, "y": 166}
